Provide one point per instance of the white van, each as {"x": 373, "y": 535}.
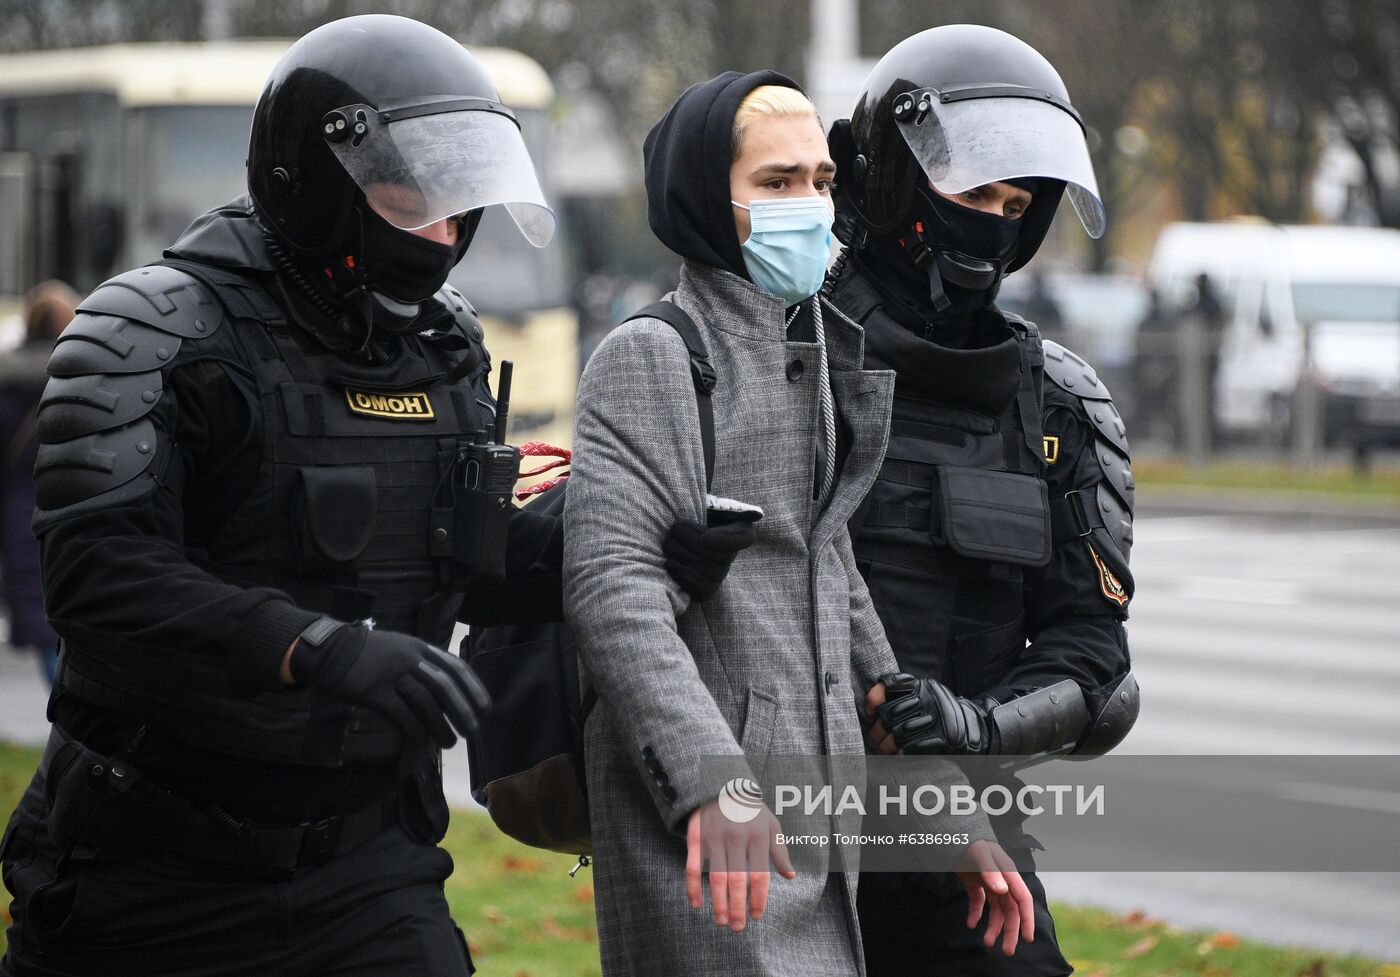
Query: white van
{"x": 1277, "y": 283}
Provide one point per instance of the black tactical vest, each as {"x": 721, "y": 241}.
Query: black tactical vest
{"x": 341, "y": 519}
{"x": 960, "y": 509}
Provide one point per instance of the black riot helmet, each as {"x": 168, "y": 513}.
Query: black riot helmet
{"x": 963, "y": 106}
{"x": 392, "y": 111}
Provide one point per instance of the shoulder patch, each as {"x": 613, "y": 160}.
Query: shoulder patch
{"x": 1109, "y": 585}
{"x": 161, "y": 297}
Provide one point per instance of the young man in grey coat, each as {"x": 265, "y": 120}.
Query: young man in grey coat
{"x": 693, "y": 695}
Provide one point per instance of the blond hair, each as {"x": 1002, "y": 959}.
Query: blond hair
{"x": 770, "y": 101}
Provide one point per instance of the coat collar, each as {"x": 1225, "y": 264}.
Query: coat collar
{"x": 730, "y": 303}
{"x": 739, "y": 307}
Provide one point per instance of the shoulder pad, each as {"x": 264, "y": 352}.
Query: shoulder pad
{"x": 1074, "y": 376}
{"x": 475, "y": 361}
{"x": 69, "y": 472}
{"x": 164, "y": 298}
{"x": 94, "y": 432}
{"x": 1116, "y": 510}
{"x": 74, "y": 406}
{"x": 1072, "y": 373}
{"x": 1115, "y": 491}
{"x": 107, "y": 370}
{"x": 462, "y": 311}
{"x": 107, "y": 344}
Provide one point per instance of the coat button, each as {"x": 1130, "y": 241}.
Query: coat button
{"x": 830, "y": 682}
{"x": 648, "y": 753}
{"x": 670, "y": 793}
{"x": 663, "y": 781}
{"x": 795, "y": 369}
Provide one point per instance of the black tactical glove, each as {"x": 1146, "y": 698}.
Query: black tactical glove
{"x": 423, "y": 690}
{"x": 925, "y": 717}
{"x": 698, "y": 557}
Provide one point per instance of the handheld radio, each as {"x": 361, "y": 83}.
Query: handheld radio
{"x": 485, "y": 477}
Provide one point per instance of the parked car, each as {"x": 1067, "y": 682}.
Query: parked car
{"x": 1300, "y": 301}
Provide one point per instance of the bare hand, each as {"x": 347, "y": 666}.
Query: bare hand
{"x": 996, "y": 886}
{"x": 739, "y": 855}
{"x": 876, "y": 736}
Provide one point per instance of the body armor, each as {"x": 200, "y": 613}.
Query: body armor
{"x": 959, "y": 511}
{"x": 339, "y": 516}
{"x": 961, "y": 515}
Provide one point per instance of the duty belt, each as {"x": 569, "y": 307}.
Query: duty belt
{"x": 119, "y": 810}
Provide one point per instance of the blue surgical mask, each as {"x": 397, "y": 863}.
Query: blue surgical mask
{"x": 788, "y": 246}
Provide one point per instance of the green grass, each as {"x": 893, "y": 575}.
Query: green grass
{"x": 1102, "y": 944}
{"x": 524, "y": 917}
{"x": 1333, "y": 481}
{"x": 521, "y": 912}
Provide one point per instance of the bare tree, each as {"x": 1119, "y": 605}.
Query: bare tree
{"x": 1354, "y": 75}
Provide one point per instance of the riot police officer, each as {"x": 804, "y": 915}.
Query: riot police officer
{"x": 255, "y": 543}
{"x": 995, "y": 541}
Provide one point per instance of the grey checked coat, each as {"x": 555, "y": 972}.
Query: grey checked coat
{"x": 772, "y": 665}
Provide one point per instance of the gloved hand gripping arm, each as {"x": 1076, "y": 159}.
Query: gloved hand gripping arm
{"x": 424, "y": 691}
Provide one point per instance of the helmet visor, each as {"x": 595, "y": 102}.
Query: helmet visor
{"x": 971, "y": 142}
{"x": 419, "y": 168}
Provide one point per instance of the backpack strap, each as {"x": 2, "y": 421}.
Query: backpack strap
{"x": 702, "y": 372}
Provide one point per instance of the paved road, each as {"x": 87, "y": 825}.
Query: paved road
{"x": 1265, "y": 634}
{"x": 1253, "y": 633}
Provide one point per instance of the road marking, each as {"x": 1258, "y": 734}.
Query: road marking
{"x": 1240, "y": 590}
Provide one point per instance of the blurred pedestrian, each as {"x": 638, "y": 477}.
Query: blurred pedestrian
{"x": 48, "y": 308}
{"x": 1211, "y": 312}
{"x": 1155, "y": 371}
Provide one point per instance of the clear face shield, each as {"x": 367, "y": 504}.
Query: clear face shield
{"x": 971, "y": 137}
{"x": 417, "y": 164}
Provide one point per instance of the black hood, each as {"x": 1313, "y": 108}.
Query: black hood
{"x": 228, "y": 237}
{"x": 686, "y": 158}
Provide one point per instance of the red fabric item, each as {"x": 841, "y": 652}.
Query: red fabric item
{"x": 539, "y": 449}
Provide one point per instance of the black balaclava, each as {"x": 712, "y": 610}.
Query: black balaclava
{"x": 686, "y": 160}
{"x": 376, "y": 282}
{"x": 400, "y": 264}
{"x": 948, "y": 265}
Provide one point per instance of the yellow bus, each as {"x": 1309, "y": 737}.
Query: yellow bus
{"x": 108, "y": 153}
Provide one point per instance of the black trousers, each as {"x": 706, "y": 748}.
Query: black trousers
{"x": 915, "y": 925}
{"x": 376, "y": 909}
